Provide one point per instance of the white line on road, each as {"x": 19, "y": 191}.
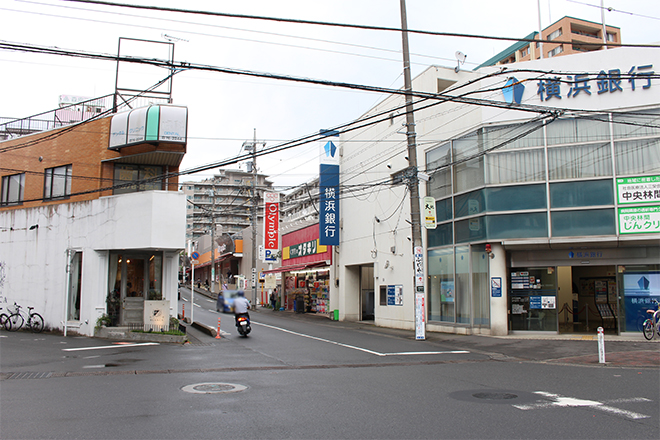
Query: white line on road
{"x": 560, "y": 401}
{"x": 110, "y": 346}
{"x": 360, "y": 348}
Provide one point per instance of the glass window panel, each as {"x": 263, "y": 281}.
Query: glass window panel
{"x": 438, "y": 157}
{"x": 149, "y": 173}
{"x": 637, "y": 157}
{"x": 442, "y": 235}
{"x": 636, "y": 125}
{"x": 441, "y": 285}
{"x": 568, "y": 131}
{"x": 155, "y": 277}
{"x": 514, "y": 198}
{"x": 480, "y": 286}
{"x": 123, "y": 174}
{"x": 526, "y": 299}
{"x": 496, "y": 136}
{"x": 469, "y": 174}
{"x": 469, "y": 145}
{"x": 462, "y": 297}
{"x": 59, "y": 182}
{"x": 526, "y": 225}
{"x": 518, "y": 166}
{"x": 586, "y": 193}
{"x": 440, "y": 183}
{"x": 470, "y": 204}
{"x": 577, "y": 223}
{"x": 12, "y": 189}
{"x": 635, "y": 299}
{"x": 443, "y": 210}
{"x": 48, "y": 180}
{"x": 472, "y": 229}
{"x": 580, "y": 161}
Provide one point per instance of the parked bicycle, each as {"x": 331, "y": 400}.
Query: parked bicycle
{"x": 652, "y": 325}
{"x": 4, "y": 321}
{"x": 32, "y": 320}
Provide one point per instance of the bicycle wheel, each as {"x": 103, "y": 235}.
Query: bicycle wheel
{"x": 36, "y": 323}
{"x": 15, "y": 322}
{"x": 5, "y": 322}
{"x": 648, "y": 328}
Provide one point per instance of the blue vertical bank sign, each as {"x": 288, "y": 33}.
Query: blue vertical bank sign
{"x": 329, "y": 188}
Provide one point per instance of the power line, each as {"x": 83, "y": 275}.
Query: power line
{"x": 342, "y": 25}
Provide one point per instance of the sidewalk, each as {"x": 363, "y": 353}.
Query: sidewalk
{"x": 625, "y": 350}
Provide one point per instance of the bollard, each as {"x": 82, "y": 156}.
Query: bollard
{"x": 217, "y": 335}
{"x": 601, "y": 346}
{"x": 183, "y": 312}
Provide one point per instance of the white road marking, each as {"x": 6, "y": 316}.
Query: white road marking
{"x": 93, "y": 366}
{"x": 110, "y": 346}
{"x": 560, "y": 401}
{"x": 359, "y": 348}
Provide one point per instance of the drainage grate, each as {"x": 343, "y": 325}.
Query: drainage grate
{"x": 29, "y": 375}
{"x": 214, "y": 388}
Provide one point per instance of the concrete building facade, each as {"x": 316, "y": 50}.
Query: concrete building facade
{"x": 91, "y": 222}
{"x": 546, "y": 200}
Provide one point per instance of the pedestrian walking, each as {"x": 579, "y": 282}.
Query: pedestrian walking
{"x": 273, "y": 299}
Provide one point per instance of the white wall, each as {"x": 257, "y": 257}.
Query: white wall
{"x": 35, "y": 260}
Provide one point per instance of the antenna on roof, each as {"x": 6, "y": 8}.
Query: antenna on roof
{"x": 460, "y": 57}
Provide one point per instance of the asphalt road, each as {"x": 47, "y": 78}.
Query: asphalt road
{"x": 300, "y": 376}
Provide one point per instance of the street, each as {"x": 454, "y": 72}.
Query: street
{"x": 299, "y": 376}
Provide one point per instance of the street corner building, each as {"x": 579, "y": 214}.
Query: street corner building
{"x": 546, "y": 181}
{"x": 91, "y": 222}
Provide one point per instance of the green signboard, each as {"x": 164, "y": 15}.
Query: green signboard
{"x": 640, "y": 220}
{"x": 645, "y": 189}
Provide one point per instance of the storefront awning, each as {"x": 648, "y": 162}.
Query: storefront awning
{"x": 297, "y": 267}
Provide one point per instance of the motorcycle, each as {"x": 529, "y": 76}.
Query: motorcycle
{"x": 243, "y": 324}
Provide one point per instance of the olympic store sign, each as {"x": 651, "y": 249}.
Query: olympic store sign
{"x": 271, "y": 221}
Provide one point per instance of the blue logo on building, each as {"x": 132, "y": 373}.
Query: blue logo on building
{"x": 513, "y": 91}
{"x": 330, "y": 149}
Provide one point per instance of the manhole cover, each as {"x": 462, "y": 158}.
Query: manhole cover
{"x": 495, "y": 396}
{"x": 212, "y": 388}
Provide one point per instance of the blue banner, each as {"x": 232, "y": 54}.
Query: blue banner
{"x": 329, "y": 212}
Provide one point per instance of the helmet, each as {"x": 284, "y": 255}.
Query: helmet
{"x": 240, "y": 293}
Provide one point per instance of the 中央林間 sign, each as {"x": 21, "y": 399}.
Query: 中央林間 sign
{"x": 640, "y": 220}
{"x": 645, "y": 189}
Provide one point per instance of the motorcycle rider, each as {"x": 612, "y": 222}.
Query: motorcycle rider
{"x": 241, "y": 306}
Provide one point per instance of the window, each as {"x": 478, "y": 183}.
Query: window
{"x": 585, "y": 193}
{"x": 146, "y": 178}
{"x": 12, "y": 189}
{"x": 577, "y": 223}
{"x": 441, "y": 285}
{"x": 557, "y": 50}
{"x": 554, "y": 34}
{"x": 580, "y": 161}
{"x": 524, "y": 52}
{"x": 75, "y": 286}
{"x": 57, "y": 182}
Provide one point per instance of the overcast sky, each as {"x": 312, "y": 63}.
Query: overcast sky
{"x": 225, "y": 109}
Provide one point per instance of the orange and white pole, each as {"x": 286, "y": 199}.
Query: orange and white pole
{"x": 217, "y": 335}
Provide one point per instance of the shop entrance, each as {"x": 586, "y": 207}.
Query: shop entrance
{"x": 587, "y": 299}
{"x": 133, "y": 279}
{"x": 367, "y": 294}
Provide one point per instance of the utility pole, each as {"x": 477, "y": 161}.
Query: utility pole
{"x": 252, "y": 146}
{"x": 213, "y": 237}
{"x": 413, "y": 185}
